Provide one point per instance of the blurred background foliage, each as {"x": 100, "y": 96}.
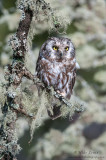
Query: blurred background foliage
{"x": 85, "y": 134}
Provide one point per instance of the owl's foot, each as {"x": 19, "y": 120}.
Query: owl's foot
{"x": 63, "y": 94}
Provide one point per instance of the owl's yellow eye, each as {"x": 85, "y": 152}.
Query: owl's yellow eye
{"x": 67, "y": 48}
{"x": 55, "y": 48}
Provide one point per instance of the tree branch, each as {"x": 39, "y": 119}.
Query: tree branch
{"x": 9, "y": 147}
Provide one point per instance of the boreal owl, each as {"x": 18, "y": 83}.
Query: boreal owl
{"x": 56, "y": 65}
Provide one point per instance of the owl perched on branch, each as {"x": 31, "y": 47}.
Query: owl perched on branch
{"x": 56, "y": 65}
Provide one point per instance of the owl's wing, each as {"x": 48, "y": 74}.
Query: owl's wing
{"x": 73, "y": 78}
{"x": 71, "y": 83}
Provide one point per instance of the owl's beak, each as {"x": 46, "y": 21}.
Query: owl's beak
{"x": 60, "y": 53}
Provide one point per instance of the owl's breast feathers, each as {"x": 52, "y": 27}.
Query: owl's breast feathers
{"x": 60, "y": 75}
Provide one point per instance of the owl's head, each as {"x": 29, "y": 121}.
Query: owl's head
{"x": 57, "y": 49}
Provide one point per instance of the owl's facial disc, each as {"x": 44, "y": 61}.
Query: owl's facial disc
{"x": 58, "y": 49}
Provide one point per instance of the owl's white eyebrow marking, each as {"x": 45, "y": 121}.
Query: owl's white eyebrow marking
{"x": 65, "y": 43}
{"x": 57, "y": 43}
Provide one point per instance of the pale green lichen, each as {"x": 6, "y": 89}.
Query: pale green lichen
{"x": 8, "y": 131}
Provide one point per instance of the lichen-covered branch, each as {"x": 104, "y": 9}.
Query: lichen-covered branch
{"x": 21, "y": 34}
{"x": 8, "y": 146}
